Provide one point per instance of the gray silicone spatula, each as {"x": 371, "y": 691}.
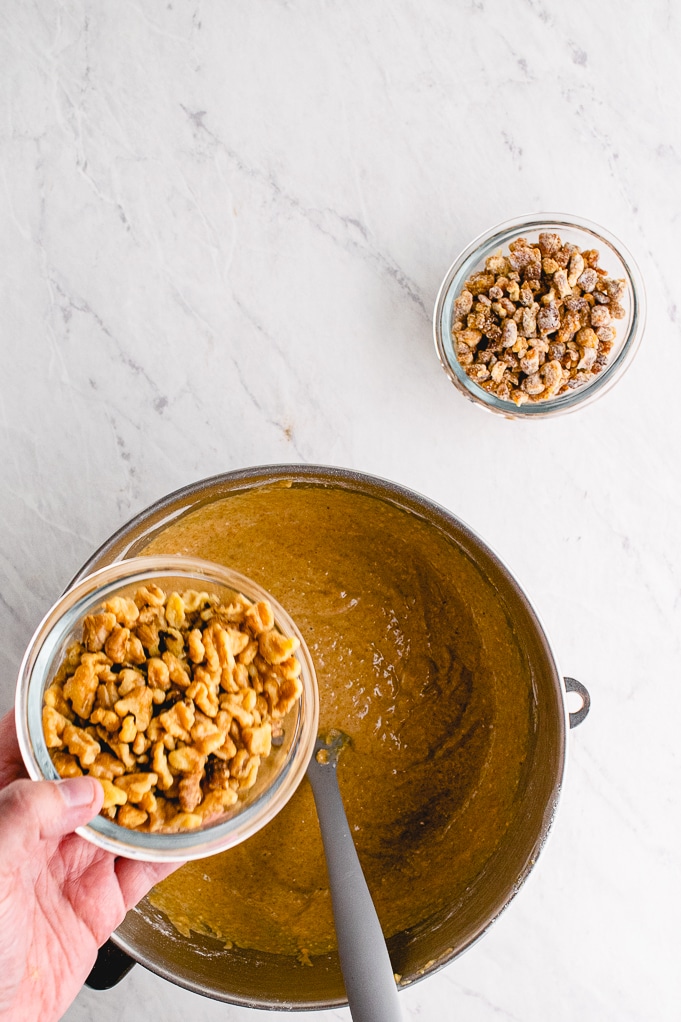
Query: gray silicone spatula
{"x": 367, "y": 972}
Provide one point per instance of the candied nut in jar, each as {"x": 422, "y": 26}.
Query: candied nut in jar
{"x": 552, "y": 277}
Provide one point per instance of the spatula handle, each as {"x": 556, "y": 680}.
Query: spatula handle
{"x": 367, "y": 971}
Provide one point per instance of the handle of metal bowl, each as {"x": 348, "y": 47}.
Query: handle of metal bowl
{"x": 577, "y": 716}
{"x": 111, "y": 966}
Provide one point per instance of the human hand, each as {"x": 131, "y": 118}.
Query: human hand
{"x": 60, "y": 896}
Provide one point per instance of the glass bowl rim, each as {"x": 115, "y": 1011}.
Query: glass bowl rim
{"x": 502, "y": 233}
{"x": 215, "y": 838}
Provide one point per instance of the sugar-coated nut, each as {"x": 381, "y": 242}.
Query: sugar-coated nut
{"x": 552, "y": 376}
{"x": 549, "y": 243}
{"x": 615, "y": 289}
{"x": 576, "y": 268}
{"x": 600, "y": 316}
{"x": 463, "y": 304}
{"x": 560, "y": 282}
{"x": 588, "y": 359}
{"x": 530, "y": 362}
{"x": 496, "y": 263}
{"x": 587, "y": 280}
{"x": 479, "y": 283}
{"x": 587, "y": 338}
{"x": 509, "y": 333}
{"x": 533, "y": 384}
{"x": 533, "y": 310}
{"x": 548, "y": 318}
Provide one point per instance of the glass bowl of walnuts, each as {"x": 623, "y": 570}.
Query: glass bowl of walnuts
{"x": 185, "y": 689}
{"x": 539, "y": 315}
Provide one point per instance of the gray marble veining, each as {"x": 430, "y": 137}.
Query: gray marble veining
{"x": 223, "y": 231}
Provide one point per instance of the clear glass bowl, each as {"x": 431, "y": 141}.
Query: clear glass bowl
{"x": 586, "y": 235}
{"x": 279, "y": 774}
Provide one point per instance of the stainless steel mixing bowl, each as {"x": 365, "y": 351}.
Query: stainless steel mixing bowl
{"x": 271, "y": 981}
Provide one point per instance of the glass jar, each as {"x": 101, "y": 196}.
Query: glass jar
{"x": 280, "y": 772}
{"x": 586, "y": 235}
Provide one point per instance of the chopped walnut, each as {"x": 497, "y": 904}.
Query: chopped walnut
{"x": 529, "y": 305}
{"x": 171, "y": 702}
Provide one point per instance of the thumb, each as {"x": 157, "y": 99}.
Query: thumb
{"x": 31, "y": 811}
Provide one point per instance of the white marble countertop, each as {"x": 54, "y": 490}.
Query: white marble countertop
{"x": 223, "y": 228}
